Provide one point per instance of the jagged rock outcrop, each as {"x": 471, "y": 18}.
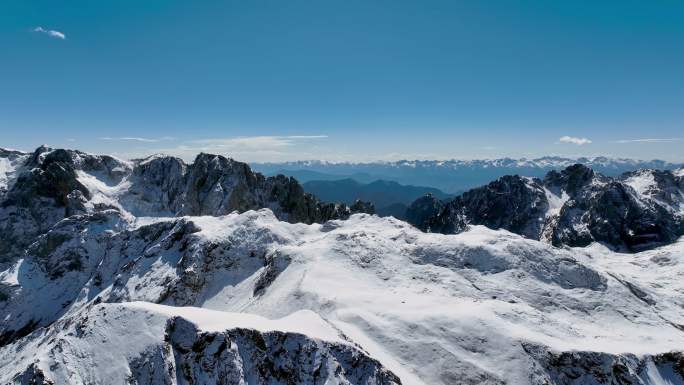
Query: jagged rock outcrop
{"x": 574, "y": 207}
{"x": 424, "y": 209}
{"x": 52, "y": 184}
{"x": 272, "y": 357}
{"x": 46, "y": 192}
{"x": 513, "y": 203}
{"x": 586, "y": 367}
{"x": 215, "y": 185}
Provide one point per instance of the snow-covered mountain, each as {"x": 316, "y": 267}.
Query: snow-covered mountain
{"x": 40, "y": 189}
{"x": 132, "y": 290}
{"x": 452, "y": 176}
{"x": 576, "y": 206}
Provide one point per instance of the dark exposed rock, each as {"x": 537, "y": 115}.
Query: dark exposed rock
{"x": 50, "y": 188}
{"x": 584, "y": 367}
{"x": 422, "y": 210}
{"x": 33, "y": 376}
{"x": 572, "y": 179}
{"x": 270, "y": 358}
{"x": 217, "y": 185}
{"x": 513, "y": 203}
{"x": 275, "y": 264}
{"x": 360, "y": 206}
{"x": 592, "y": 208}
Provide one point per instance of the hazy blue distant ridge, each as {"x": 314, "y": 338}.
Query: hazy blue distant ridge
{"x": 451, "y": 176}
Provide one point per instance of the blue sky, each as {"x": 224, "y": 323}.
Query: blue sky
{"x": 345, "y": 80}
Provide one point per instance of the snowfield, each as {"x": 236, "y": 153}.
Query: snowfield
{"x": 434, "y": 309}
{"x": 8, "y": 169}
{"x": 103, "y": 281}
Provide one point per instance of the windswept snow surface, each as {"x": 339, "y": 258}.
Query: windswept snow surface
{"x": 556, "y": 201}
{"x": 8, "y": 169}
{"x": 641, "y": 182}
{"x": 301, "y": 322}
{"x": 432, "y": 308}
{"x": 460, "y": 305}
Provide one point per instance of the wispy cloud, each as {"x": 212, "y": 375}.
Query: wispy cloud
{"x": 256, "y": 142}
{"x": 246, "y": 148}
{"x": 574, "y": 140}
{"x": 306, "y": 137}
{"x": 137, "y": 139}
{"x": 650, "y": 140}
{"x": 50, "y": 32}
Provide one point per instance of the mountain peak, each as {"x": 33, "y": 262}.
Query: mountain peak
{"x": 574, "y": 206}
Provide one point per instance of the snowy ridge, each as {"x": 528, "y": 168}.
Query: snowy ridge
{"x": 126, "y": 278}
{"x": 300, "y": 322}
{"x": 10, "y": 164}
{"x": 467, "y": 301}
{"x": 542, "y": 162}
{"x": 453, "y": 176}
{"x": 154, "y": 344}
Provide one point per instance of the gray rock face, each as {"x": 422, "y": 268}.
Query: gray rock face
{"x": 581, "y": 367}
{"x": 513, "y": 203}
{"x": 215, "y": 185}
{"x": 50, "y": 187}
{"x": 239, "y": 355}
{"x": 38, "y": 198}
{"x": 635, "y": 211}
{"x": 424, "y": 209}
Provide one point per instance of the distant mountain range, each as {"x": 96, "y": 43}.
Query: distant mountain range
{"x": 389, "y": 198}
{"x": 451, "y": 176}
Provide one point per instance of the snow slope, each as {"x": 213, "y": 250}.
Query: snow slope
{"x": 112, "y": 288}
{"x": 9, "y": 165}
{"x": 145, "y": 343}
{"x": 482, "y": 306}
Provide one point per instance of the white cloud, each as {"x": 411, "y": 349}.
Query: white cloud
{"x": 138, "y": 139}
{"x": 50, "y": 32}
{"x": 244, "y": 148}
{"x": 306, "y": 136}
{"x": 256, "y": 142}
{"x": 574, "y": 140}
{"x": 650, "y": 140}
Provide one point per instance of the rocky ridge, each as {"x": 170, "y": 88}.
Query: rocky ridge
{"x": 38, "y": 190}
{"x": 635, "y": 211}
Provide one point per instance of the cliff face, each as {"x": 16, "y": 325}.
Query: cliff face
{"x": 635, "y": 211}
